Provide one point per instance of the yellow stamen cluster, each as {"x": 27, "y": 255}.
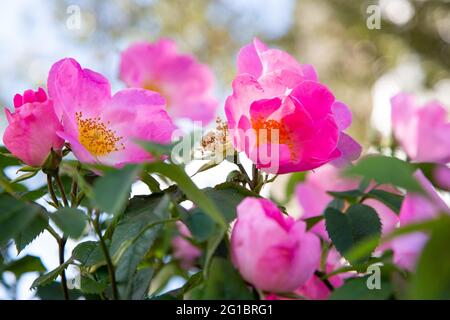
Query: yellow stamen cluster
{"x": 265, "y": 133}
{"x": 95, "y": 136}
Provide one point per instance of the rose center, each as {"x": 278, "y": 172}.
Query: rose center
{"x": 95, "y": 136}
{"x": 271, "y": 131}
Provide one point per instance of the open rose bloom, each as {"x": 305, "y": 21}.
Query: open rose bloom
{"x": 282, "y": 117}
{"x": 102, "y": 128}
{"x": 32, "y": 129}
{"x": 185, "y": 83}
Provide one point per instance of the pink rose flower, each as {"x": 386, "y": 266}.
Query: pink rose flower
{"x": 416, "y": 208}
{"x": 31, "y": 132}
{"x": 282, "y": 117}
{"x": 422, "y": 131}
{"x": 273, "y": 252}
{"x": 441, "y": 175}
{"x": 315, "y": 288}
{"x": 184, "y": 82}
{"x": 183, "y": 250}
{"x": 101, "y": 128}
{"x": 313, "y": 198}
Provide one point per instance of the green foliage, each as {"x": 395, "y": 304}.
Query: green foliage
{"x": 31, "y": 232}
{"x": 24, "y": 265}
{"x": 356, "y": 289}
{"x": 223, "y": 283}
{"x": 16, "y": 216}
{"x": 391, "y": 200}
{"x": 51, "y": 276}
{"x": 432, "y": 277}
{"x": 200, "y": 224}
{"x": 112, "y": 190}
{"x": 183, "y": 181}
{"x": 133, "y": 238}
{"x": 386, "y": 170}
{"x": 89, "y": 254}
{"x": 71, "y": 221}
{"x": 360, "y": 222}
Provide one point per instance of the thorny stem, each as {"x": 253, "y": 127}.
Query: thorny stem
{"x": 104, "y": 248}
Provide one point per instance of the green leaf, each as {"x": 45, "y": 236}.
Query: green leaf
{"x": 91, "y": 286}
{"x": 16, "y": 216}
{"x": 89, "y": 254}
{"x": 7, "y": 159}
{"x": 386, "y": 170}
{"x": 132, "y": 239}
{"x": 311, "y": 222}
{"x": 53, "y": 291}
{"x": 350, "y": 195}
{"x": 432, "y": 277}
{"x": 31, "y": 232}
{"x": 112, "y": 191}
{"x": 356, "y": 289}
{"x": 34, "y": 194}
{"x": 224, "y": 283}
{"x": 141, "y": 283}
{"x": 71, "y": 221}
{"x": 347, "y": 230}
{"x": 391, "y": 200}
{"x": 337, "y": 204}
{"x": 227, "y": 197}
{"x": 185, "y": 183}
{"x": 200, "y": 224}
{"x": 25, "y": 176}
{"x": 365, "y": 247}
{"x": 24, "y": 265}
{"x": 49, "y": 277}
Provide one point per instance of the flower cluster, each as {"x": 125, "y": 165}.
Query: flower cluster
{"x": 283, "y": 119}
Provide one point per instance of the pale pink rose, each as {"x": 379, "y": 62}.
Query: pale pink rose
{"x": 441, "y": 176}
{"x": 272, "y": 251}
{"x": 102, "y": 128}
{"x": 184, "y": 82}
{"x": 422, "y": 131}
{"x": 315, "y": 288}
{"x": 416, "y": 208}
{"x": 31, "y": 131}
{"x": 282, "y": 117}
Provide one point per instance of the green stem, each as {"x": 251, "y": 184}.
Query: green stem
{"x": 61, "y": 188}
{"x": 51, "y": 190}
{"x": 241, "y": 168}
{"x": 61, "y": 241}
{"x": 73, "y": 193}
{"x": 109, "y": 264}
{"x": 325, "y": 281}
{"x": 62, "y": 245}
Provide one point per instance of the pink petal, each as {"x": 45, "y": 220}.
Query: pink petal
{"x": 315, "y": 97}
